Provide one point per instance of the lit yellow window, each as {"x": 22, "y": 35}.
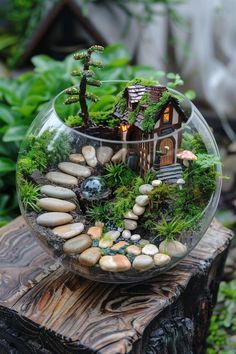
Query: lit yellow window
{"x": 166, "y": 115}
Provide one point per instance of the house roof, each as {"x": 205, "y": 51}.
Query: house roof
{"x": 134, "y": 95}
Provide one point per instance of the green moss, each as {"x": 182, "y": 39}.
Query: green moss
{"x": 38, "y": 152}
{"x": 132, "y": 117}
{"x": 150, "y": 113}
{"x": 105, "y": 118}
{"x": 74, "y": 121}
{"x": 141, "y": 81}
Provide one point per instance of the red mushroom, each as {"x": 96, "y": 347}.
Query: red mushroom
{"x": 186, "y": 156}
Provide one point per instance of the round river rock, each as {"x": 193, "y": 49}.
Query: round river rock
{"x": 57, "y": 192}
{"x": 150, "y": 249}
{"x": 74, "y": 169}
{"x": 77, "y": 244}
{"x": 53, "y": 219}
{"x": 77, "y": 158}
{"x": 161, "y": 259}
{"x": 104, "y": 154}
{"x": 90, "y": 256}
{"x": 69, "y": 230}
{"x": 143, "y": 262}
{"x": 173, "y": 248}
{"x": 53, "y": 204}
{"x": 117, "y": 263}
{"x": 62, "y": 178}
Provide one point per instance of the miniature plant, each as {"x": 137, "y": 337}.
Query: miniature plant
{"x": 192, "y": 142}
{"x": 170, "y": 229}
{"x": 86, "y": 78}
{"x": 118, "y": 174}
{"x": 29, "y": 194}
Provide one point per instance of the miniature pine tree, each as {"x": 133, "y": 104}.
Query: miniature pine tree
{"x": 86, "y": 75}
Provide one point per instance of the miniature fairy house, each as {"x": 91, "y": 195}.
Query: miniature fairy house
{"x": 167, "y": 117}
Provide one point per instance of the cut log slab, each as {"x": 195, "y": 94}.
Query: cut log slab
{"x": 46, "y": 309}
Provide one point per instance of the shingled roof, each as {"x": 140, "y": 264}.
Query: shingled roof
{"x": 134, "y": 95}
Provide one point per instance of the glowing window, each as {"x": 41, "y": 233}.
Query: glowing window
{"x": 166, "y": 115}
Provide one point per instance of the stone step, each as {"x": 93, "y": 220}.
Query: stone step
{"x": 170, "y": 173}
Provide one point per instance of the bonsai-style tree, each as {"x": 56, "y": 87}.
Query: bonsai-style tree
{"x": 86, "y": 75}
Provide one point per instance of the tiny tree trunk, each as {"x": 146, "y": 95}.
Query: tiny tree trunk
{"x": 82, "y": 97}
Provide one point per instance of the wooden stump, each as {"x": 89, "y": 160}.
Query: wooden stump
{"x": 45, "y": 309}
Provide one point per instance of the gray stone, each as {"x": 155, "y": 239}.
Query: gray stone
{"x": 69, "y": 230}
{"x": 145, "y": 188}
{"x": 161, "y": 259}
{"x": 143, "y": 262}
{"x": 53, "y": 204}
{"x": 130, "y": 224}
{"x": 61, "y": 178}
{"x": 150, "y": 250}
{"x": 142, "y": 200}
{"x": 77, "y": 244}
{"x": 104, "y": 154}
{"x": 138, "y": 210}
{"x": 130, "y": 215}
{"x": 90, "y": 155}
{"x": 74, "y": 169}
{"x": 57, "y": 192}
{"x": 90, "y": 256}
{"x": 53, "y": 219}
{"x": 173, "y": 248}
{"x": 120, "y": 155}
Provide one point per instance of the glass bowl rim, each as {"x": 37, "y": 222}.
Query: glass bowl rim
{"x": 121, "y": 142}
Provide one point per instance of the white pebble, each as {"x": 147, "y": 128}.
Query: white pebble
{"x": 130, "y": 224}
{"x": 156, "y": 182}
{"x": 138, "y": 210}
{"x": 145, "y": 188}
{"x": 130, "y": 215}
{"x": 142, "y": 200}
{"x": 150, "y": 250}
{"x": 135, "y": 237}
{"x": 126, "y": 234}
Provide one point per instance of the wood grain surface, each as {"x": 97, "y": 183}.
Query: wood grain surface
{"x": 59, "y": 312}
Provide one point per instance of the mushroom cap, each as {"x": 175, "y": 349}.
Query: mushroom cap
{"x": 180, "y": 181}
{"x": 186, "y": 155}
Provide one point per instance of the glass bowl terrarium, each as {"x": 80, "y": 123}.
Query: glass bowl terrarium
{"x": 124, "y": 199}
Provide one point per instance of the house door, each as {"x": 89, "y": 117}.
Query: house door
{"x": 167, "y": 146}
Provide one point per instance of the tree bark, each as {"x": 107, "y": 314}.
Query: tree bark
{"x": 46, "y": 309}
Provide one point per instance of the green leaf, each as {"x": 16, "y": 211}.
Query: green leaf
{"x": 6, "y": 114}
{"x": 6, "y": 165}
{"x": 7, "y": 40}
{"x": 42, "y": 62}
{"x": 104, "y": 104}
{"x": 190, "y": 94}
{"x": 15, "y": 133}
